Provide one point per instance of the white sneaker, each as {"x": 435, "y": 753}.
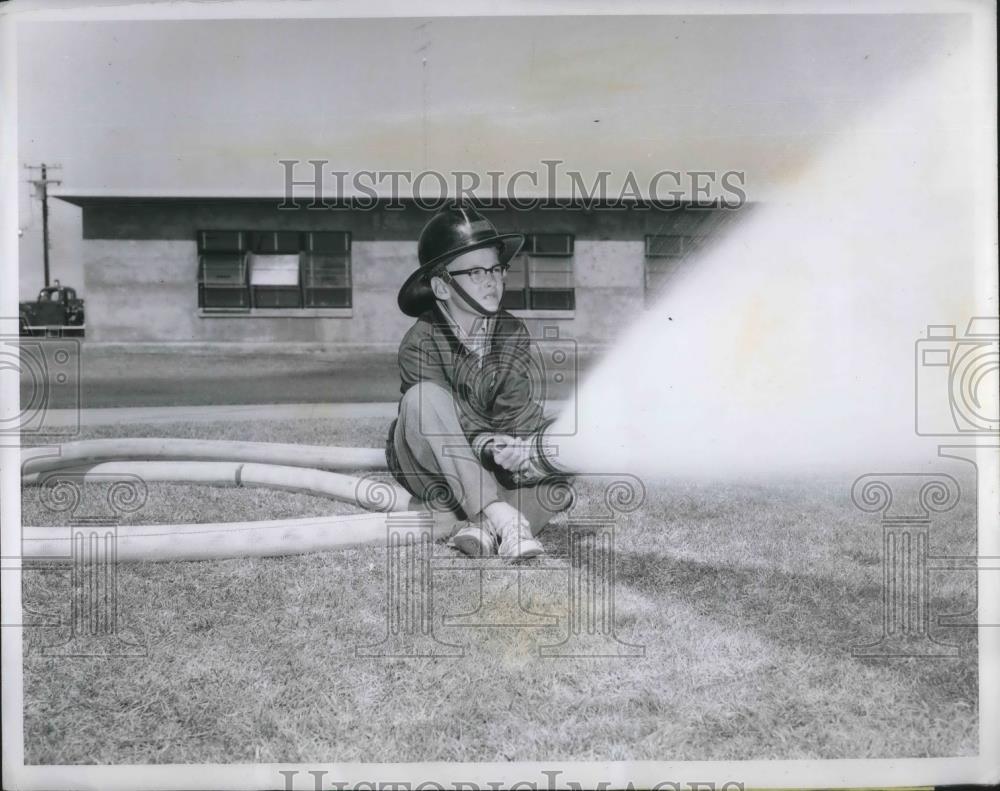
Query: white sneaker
{"x": 475, "y": 539}
{"x": 516, "y": 540}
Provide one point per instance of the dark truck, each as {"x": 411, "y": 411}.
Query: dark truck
{"x": 56, "y": 312}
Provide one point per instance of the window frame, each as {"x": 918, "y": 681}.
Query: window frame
{"x": 532, "y": 299}
{"x": 310, "y": 254}
{"x": 275, "y": 295}
{"x": 238, "y": 289}
{"x": 688, "y": 243}
{"x": 287, "y": 300}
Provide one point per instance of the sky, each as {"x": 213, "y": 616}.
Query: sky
{"x": 211, "y": 106}
{"x": 787, "y": 349}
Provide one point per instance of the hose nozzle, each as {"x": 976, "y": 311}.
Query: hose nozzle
{"x": 545, "y": 454}
{"x": 541, "y": 462}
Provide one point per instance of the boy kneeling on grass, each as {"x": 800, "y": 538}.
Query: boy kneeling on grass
{"x": 467, "y": 417}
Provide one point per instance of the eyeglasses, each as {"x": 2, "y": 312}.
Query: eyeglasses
{"x": 479, "y": 274}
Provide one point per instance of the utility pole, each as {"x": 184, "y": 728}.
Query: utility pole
{"x": 42, "y": 185}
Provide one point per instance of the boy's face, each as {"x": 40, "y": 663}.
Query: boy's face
{"x": 484, "y": 287}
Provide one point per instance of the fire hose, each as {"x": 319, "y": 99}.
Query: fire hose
{"x": 221, "y": 463}
{"x": 309, "y": 469}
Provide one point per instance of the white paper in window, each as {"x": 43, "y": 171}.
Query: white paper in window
{"x": 274, "y": 270}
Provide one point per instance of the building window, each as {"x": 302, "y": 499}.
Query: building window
{"x": 275, "y": 281}
{"x": 550, "y": 284}
{"x": 274, "y": 269}
{"x": 515, "y": 287}
{"x": 541, "y": 275}
{"x": 546, "y": 244}
{"x": 326, "y": 270}
{"x": 277, "y": 242}
{"x": 222, "y": 281}
{"x": 664, "y": 255}
{"x": 222, "y": 276}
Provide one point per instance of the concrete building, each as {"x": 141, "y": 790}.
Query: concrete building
{"x": 218, "y": 270}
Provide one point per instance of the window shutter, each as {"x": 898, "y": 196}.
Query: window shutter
{"x": 549, "y": 244}
{"x": 222, "y": 281}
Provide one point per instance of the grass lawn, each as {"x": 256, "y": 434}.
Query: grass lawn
{"x": 747, "y": 599}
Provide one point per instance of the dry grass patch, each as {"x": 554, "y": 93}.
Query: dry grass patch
{"x": 747, "y": 599}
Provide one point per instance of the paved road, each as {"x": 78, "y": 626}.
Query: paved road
{"x": 177, "y": 379}
{"x": 59, "y": 419}
{"x": 118, "y": 379}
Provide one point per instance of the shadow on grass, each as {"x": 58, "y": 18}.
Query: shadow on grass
{"x": 812, "y": 610}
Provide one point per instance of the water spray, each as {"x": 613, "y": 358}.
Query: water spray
{"x": 786, "y": 347}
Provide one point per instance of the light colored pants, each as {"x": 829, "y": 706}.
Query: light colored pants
{"x": 432, "y": 451}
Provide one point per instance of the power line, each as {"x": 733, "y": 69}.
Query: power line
{"x": 42, "y": 185}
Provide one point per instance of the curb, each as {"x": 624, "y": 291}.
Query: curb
{"x": 229, "y": 413}
{"x": 240, "y": 348}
